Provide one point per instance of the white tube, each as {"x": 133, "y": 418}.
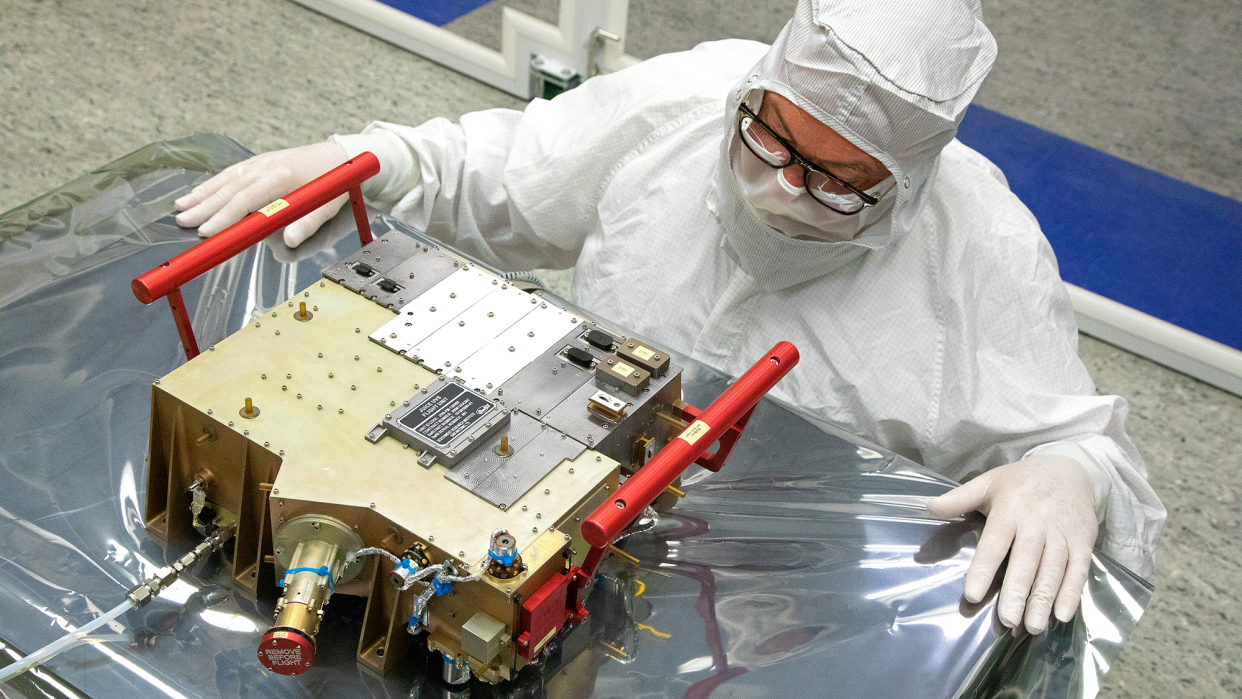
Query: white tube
{"x": 62, "y": 644}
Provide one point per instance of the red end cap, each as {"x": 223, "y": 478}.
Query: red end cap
{"x": 286, "y": 651}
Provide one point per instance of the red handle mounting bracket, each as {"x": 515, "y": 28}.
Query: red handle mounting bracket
{"x": 721, "y": 421}
{"x": 167, "y": 279}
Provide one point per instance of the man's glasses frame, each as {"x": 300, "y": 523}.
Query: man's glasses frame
{"x": 745, "y": 113}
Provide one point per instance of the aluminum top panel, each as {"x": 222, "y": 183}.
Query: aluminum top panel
{"x": 474, "y": 328}
{"x": 516, "y": 347}
{"x": 434, "y": 309}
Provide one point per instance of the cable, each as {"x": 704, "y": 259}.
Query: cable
{"x": 137, "y": 597}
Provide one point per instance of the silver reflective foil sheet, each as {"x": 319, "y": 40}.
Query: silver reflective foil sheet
{"x": 807, "y": 567}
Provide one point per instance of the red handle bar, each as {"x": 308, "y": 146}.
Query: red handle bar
{"x": 167, "y": 279}
{"x": 616, "y": 513}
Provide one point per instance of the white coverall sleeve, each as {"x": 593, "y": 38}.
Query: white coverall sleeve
{"x": 1019, "y": 388}
{"x": 519, "y": 190}
{"x": 448, "y": 180}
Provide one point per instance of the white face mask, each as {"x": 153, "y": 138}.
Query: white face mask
{"x": 787, "y": 208}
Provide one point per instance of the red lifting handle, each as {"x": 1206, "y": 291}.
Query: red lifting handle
{"x": 733, "y": 406}
{"x": 167, "y": 279}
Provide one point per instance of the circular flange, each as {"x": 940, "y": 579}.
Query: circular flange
{"x": 321, "y": 528}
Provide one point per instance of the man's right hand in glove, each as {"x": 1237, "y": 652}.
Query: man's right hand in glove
{"x": 252, "y": 184}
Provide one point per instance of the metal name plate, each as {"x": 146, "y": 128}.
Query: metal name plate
{"x": 448, "y": 422}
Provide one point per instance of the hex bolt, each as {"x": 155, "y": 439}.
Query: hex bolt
{"x": 340, "y": 411}
{"x": 321, "y": 407}
{"x": 356, "y": 357}
{"x": 329, "y": 374}
{"x": 277, "y": 332}
{"x": 357, "y": 330}
{"x": 321, "y": 355}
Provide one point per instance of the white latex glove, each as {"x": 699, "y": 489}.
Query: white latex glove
{"x": 1041, "y": 512}
{"x": 254, "y": 183}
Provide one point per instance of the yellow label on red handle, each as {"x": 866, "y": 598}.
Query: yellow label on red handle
{"x": 274, "y": 207}
{"x": 692, "y": 433}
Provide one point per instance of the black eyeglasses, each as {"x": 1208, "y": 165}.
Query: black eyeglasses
{"x": 823, "y": 186}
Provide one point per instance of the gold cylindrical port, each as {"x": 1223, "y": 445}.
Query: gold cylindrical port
{"x": 312, "y": 549}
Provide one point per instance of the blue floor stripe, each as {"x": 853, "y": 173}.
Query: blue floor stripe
{"x": 1156, "y": 244}
{"x": 438, "y": 12}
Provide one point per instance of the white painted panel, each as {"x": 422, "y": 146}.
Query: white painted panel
{"x": 435, "y": 308}
{"x": 467, "y": 333}
{"x": 516, "y": 347}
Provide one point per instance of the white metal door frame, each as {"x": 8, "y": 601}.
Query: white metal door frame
{"x": 522, "y": 37}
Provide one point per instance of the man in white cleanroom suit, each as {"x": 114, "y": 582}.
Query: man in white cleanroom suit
{"x": 724, "y": 198}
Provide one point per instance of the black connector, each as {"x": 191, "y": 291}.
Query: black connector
{"x": 580, "y": 357}
{"x": 601, "y": 340}
{"x": 388, "y": 285}
{"x": 364, "y": 270}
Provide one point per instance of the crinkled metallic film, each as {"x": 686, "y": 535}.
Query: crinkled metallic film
{"x": 806, "y": 567}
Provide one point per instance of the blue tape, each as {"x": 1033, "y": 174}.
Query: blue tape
{"x": 442, "y": 587}
{"x": 322, "y": 570}
{"x": 503, "y": 559}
